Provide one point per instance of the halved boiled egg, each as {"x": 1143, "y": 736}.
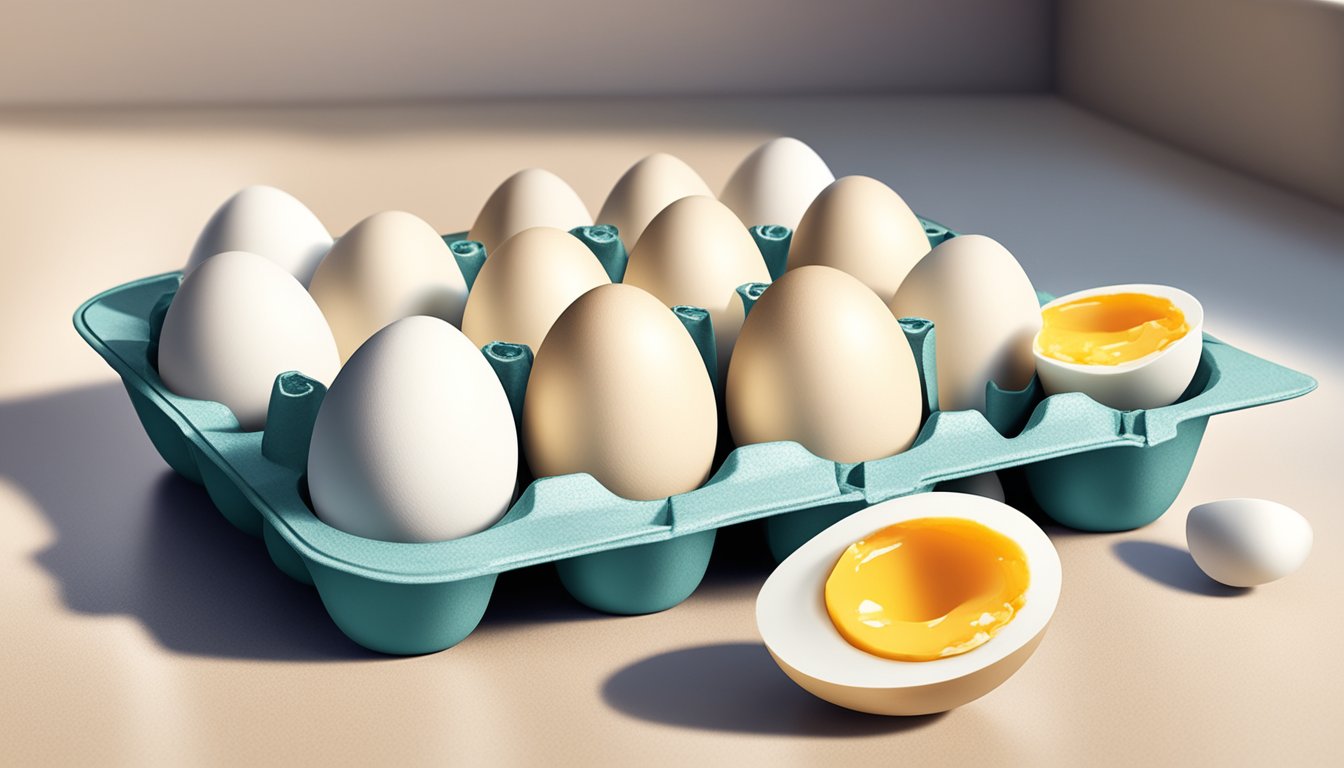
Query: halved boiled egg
{"x": 912, "y": 606}
{"x": 1126, "y": 346}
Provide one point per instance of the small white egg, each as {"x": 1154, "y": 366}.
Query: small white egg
{"x": 1247, "y": 542}
{"x": 238, "y": 321}
{"x": 985, "y": 316}
{"x": 268, "y": 222}
{"x": 860, "y": 226}
{"x": 532, "y": 197}
{"x": 388, "y": 266}
{"x": 648, "y": 187}
{"x": 792, "y": 617}
{"x": 1152, "y": 381}
{"x": 415, "y": 440}
{"x": 776, "y": 183}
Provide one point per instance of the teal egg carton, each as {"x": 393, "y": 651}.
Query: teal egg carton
{"x": 1080, "y": 463}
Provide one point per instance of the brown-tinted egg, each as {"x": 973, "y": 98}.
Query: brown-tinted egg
{"x": 619, "y": 390}
{"x": 526, "y": 283}
{"x": 860, "y": 226}
{"x": 533, "y": 197}
{"x": 697, "y": 252}
{"x": 648, "y": 187}
{"x": 821, "y": 361}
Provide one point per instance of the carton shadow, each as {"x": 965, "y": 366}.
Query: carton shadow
{"x": 132, "y": 538}
{"x": 736, "y": 687}
{"x": 1172, "y": 567}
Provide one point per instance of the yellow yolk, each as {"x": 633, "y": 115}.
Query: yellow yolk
{"x": 926, "y": 588}
{"x": 1110, "y": 329}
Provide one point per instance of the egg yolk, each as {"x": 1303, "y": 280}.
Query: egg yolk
{"x": 1110, "y": 329}
{"x": 926, "y": 588}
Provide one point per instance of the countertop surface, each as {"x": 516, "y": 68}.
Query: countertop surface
{"x": 140, "y": 628}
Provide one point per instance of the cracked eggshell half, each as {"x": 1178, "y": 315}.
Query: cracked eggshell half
{"x": 776, "y": 183}
{"x": 860, "y": 226}
{"x": 238, "y": 321}
{"x": 648, "y": 187}
{"x": 526, "y": 283}
{"x": 985, "y": 318}
{"x": 415, "y": 439}
{"x": 533, "y": 197}
{"x": 696, "y": 252}
{"x": 268, "y": 222}
{"x": 821, "y": 361}
{"x": 388, "y": 266}
{"x": 619, "y": 390}
{"x": 793, "y": 621}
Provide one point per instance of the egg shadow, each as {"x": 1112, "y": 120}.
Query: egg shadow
{"x": 736, "y": 687}
{"x": 131, "y": 538}
{"x": 1171, "y": 567}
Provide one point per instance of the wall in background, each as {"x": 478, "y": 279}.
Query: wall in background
{"x": 1255, "y": 84}
{"x": 176, "y": 51}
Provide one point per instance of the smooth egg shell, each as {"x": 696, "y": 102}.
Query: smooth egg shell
{"x": 776, "y": 183}
{"x": 648, "y": 187}
{"x": 532, "y": 197}
{"x": 985, "y": 317}
{"x": 792, "y": 619}
{"x": 696, "y": 252}
{"x": 268, "y": 222}
{"x": 526, "y": 283}
{"x": 238, "y": 321}
{"x": 415, "y": 440}
{"x": 1247, "y": 542}
{"x": 388, "y": 266}
{"x": 860, "y": 226}
{"x": 822, "y": 362}
{"x": 619, "y": 390}
{"x": 1151, "y": 381}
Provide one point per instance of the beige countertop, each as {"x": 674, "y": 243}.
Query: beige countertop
{"x": 140, "y": 628}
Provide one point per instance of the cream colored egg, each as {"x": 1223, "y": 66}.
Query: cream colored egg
{"x": 532, "y": 197}
{"x": 648, "y": 187}
{"x": 794, "y": 624}
{"x": 860, "y": 226}
{"x": 776, "y": 183}
{"x": 619, "y": 390}
{"x": 268, "y": 222}
{"x": 388, "y": 266}
{"x": 526, "y": 283}
{"x": 697, "y": 252}
{"x": 238, "y": 321}
{"x": 821, "y": 361}
{"x": 415, "y": 440}
{"x": 985, "y": 317}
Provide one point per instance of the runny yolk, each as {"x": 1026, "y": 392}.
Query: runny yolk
{"x": 927, "y": 588}
{"x": 1110, "y": 329}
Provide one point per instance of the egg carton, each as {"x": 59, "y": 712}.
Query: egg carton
{"x": 1083, "y": 464}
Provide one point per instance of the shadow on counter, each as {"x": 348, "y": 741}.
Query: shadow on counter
{"x": 1172, "y": 567}
{"x": 736, "y": 687}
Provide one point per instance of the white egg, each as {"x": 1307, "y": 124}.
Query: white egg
{"x": 1247, "y": 542}
{"x": 268, "y": 222}
{"x": 1152, "y": 381}
{"x": 388, "y": 266}
{"x": 532, "y": 197}
{"x": 696, "y": 252}
{"x": 792, "y": 617}
{"x": 415, "y": 440}
{"x": 648, "y": 187}
{"x": 236, "y": 323}
{"x": 860, "y": 226}
{"x": 526, "y": 283}
{"x": 776, "y": 183}
{"x": 985, "y": 316}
